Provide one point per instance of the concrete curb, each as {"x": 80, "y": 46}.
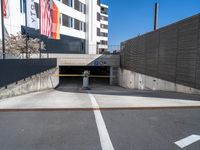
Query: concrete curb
{"x": 92, "y": 109}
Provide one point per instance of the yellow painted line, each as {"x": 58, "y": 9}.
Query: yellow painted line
{"x": 78, "y": 75}
{"x": 67, "y": 75}
{"x": 96, "y": 76}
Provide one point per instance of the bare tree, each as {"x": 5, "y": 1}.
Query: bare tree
{"x": 16, "y": 45}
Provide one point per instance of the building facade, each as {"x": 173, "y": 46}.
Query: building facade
{"x": 103, "y": 46}
{"x": 84, "y": 26}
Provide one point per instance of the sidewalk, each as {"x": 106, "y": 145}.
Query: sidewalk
{"x": 108, "y": 97}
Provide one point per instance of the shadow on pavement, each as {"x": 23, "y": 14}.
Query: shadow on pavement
{"x": 102, "y": 87}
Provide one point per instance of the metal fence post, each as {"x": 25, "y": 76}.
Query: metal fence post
{"x": 2, "y": 27}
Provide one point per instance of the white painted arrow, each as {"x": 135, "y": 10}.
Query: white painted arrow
{"x": 187, "y": 141}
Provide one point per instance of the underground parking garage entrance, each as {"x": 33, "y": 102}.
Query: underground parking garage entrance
{"x": 73, "y": 75}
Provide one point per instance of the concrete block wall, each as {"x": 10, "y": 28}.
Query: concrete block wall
{"x": 86, "y": 60}
{"x": 113, "y": 75}
{"x": 132, "y": 80}
{"x": 38, "y": 82}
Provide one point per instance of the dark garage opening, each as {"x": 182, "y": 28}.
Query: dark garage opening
{"x": 78, "y": 70}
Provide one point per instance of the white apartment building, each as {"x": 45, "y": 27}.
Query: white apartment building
{"x": 84, "y": 26}
{"x": 103, "y": 47}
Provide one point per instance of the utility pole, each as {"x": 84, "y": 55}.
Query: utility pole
{"x": 156, "y": 16}
{"x": 40, "y": 28}
{"x": 26, "y": 30}
{"x": 2, "y": 27}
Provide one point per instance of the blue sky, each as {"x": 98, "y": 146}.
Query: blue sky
{"x": 128, "y": 18}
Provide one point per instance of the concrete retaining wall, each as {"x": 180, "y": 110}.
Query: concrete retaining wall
{"x": 12, "y": 70}
{"x": 86, "y": 60}
{"x": 132, "y": 80}
{"x": 34, "y": 83}
{"x": 114, "y": 75}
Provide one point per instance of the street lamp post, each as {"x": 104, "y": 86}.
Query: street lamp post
{"x": 2, "y": 28}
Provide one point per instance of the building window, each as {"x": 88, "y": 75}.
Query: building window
{"x": 104, "y": 34}
{"x": 98, "y": 16}
{"x": 98, "y": 32}
{"x": 70, "y": 22}
{"x": 84, "y": 9}
{"x": 67, "y": 21}
{"x": 76, "y": 4}
{"x": 79, "y": 25}
{"x": 103, "y": 26}
{"x": 22, "y": 6}
{"x": 60, "y": 19}
{"x": 64, "y": 20}
{"x": 37, "y": 9}
{"x": 104, "y": 18}
{"x": 98, "y": 2}
{"x": 81, "y": 7}
{"x": 102, "y": 50}
{"x": 69, "y": 3}
{"x": 76, "y": 24}
{"x": 65, "y": 2}
{"x": 104, "y": 42}
{"x": 82, "y": 26}
{"x": 104, "y": 10}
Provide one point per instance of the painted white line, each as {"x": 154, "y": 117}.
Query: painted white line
{"x": 187, "y": 141}
{"x": 106, "y": 143}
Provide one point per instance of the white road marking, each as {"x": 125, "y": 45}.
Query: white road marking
{"x": 106, "y": 143}
{"x": 187, "y": 141}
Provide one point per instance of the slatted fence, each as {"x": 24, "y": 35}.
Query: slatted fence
{"x": 170, "y": 53}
